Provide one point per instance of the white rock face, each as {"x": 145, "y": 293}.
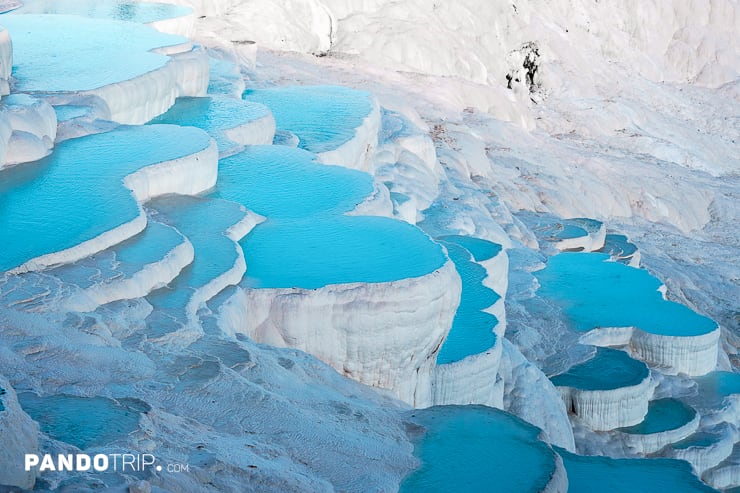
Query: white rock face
{"x": 692, "y": 355}
{"x": 34, "y": 128}
{"x": 706, "y": 457}
{"x": 138, "y": 100}
{"x": 609, "y": 409}
{"x": 6, "y": 60}
{"x": 151, "y": 276}
{"x": 529, "y": 394}
{"x": 256, "y": 132}
{"x": 19, "y": 437}
{"x": 366, "y": 331}
{"x": 472, "y": 380}
{"x": 188, "y": 175}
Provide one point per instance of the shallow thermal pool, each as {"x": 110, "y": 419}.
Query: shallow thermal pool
{"x": 323, "y": 117}
{"x": 46, "y": 204}
{"x": 214, "y": 114}
{"x": 285, "y": 182}
{"x": 663, "y": 415}
{"x": 595, "y": 292}
{"x": 609, "y": 369}
{"x": 321, "y": 250}
{"x": 83, "y": 421}
{"x": 67, "y": 53}
{"x": 477, "y": 448}
{"x": 472, "y": 329}
{"x": 606, "y": 475}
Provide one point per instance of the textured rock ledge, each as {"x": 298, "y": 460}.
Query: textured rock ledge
{"x": 366, "y": 331}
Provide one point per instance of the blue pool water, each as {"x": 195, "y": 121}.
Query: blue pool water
{"x": 715, "y": 386}
{"x": 587, "y": 474}
{"x": 480, "y": 249}
{"x": 323, "y": 117}
{"x": 285, "y": 182}
{"x": 2, "y": 393}
{"x": 64, "y": 53}
{"x": 122, "y": 10}
{"x": 597, "y": 293}
{"x": 45, "y": 206}
{"x": 663, "y": 415}
{"x": 81, "y": 421}
{"x": 618, "y": 246}
{"x": 472, "y": 329}
{"x": 214, "y": 114}
{"x": 224, "y": 78}
{"x": 477, "y": 449}
{"x": 322, "y": 250}
{"x": 203, "y": 222}
{"x": 608, "y": 369}
{"x": 123, "y": 260}
{"x": 69, "y": 112}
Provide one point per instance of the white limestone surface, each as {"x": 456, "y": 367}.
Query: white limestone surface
{"x": 34, "y": 128}
{"x": 691, "y": 355}
{"x": 18, "y": 436}
{"x": 382, "y": 334}
{"x": 609, "y": 409}
{"x": 138, "y": 100}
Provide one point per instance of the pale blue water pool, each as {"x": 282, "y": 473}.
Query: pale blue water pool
{"x": 609, "y": 369}
{"x": 714, "y": 387}
{"x": 121, "y": 10}
{"x": 587, "y": 474}
{"x": 224, "y": 78}
{"x": 70, "y": 112}
{"x": 472, "y": 329}
{"x": 285, "y": 182}
{"x": 322, "y": 250}
{"x": 477, "y": 449}
{"x": 323, "y": 117}
{"x": 65, "y": 53}
{"x": 480, "y": 249}
{"x": 123, "y": 260}
{"x": 663, "y": 415}
{"x": 82, "y": 421}
{"x": 45, "y": 206}
{"x": 203, "y": 222}
{"x": 214, "y": 114}
{"x": 595, "y": 292}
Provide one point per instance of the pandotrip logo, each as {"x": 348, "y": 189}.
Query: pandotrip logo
{"x": 98, "y": 463}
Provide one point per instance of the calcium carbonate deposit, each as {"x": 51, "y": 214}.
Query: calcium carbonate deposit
{"x": 369, "y": 246}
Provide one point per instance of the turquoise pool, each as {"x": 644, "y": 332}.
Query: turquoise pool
{"x": 477, "y": 449}
{"x": 480, "y": 249}
{"x": 595, "y": 292}
{"x": 46, "y": 205}
{"x": 214, "y": 114}
{"x": 67, "y": 53}
{"x": 609, "y": 369}
{"x": 587, "y": 474}
{"x": 472, "y": 329}
{"x": 323, "y": 117}
{"x": 82, "y": 421}
{"x": 663, "y": 415}
{"x": 285, "y": 182}
{"x": 321, "y": 250}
